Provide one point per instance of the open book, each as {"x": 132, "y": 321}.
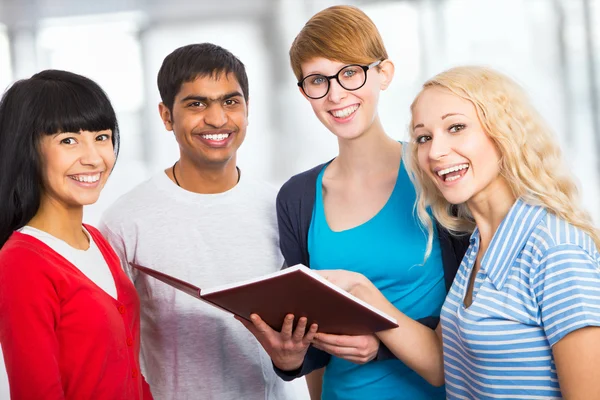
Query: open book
{"x": 296, "y": 290}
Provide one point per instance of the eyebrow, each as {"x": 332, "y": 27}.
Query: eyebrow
{"x": 66, "y": 133}
{"x": 207, "y": 99}
{"x": 450, "y": 115}
{"x": 443, "y": 118}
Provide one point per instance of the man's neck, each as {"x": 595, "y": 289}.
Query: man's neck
{"x": 203, "y": 179}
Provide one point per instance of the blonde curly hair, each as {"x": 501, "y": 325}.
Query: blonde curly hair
{"x": 531, "y": 161}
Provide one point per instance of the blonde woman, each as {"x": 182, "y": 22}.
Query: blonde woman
{"x": 522, "y": 319}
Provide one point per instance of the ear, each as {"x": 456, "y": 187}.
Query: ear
{"x": 165, "y": 115}
{"x": 386, "y": 71}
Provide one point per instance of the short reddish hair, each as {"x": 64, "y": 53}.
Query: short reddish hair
{"x": 341, "y": 33}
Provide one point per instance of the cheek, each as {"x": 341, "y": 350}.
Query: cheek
{"x": 486, "y": 156}
{"x": 422, "y": 157}
{"x": 240, "y": 119}
{"x": 53, "y": 165}
{"x": 109, "y": 158}
{"x": 317, "y": 106}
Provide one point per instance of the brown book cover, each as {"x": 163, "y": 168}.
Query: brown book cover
{"x": 296, "y": 290}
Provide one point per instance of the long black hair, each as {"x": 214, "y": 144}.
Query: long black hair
{"x": 49, "y": 102}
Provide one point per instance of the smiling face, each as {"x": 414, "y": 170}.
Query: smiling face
{"x": 209, "y": 119}
{"x": 454, "y": 150}
{"x": 348, "y": 114}
{"x": 75, "y": 166}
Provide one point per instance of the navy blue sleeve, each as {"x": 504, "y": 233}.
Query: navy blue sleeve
{"x": 292, "y": 200}
{"x": 288, "y": 225}
{"x": 315, "y": 359}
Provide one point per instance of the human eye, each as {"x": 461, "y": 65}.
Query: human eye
{"x": 350, "y": 72}
{"x": 103, "y": 137}
{"x": 317, "y": 80}
{"x": 68, "y": 140}
{"x": 455, "y": 128}
{"x": 422, "y": 139}
{"x": 231, "y": 102}
{"x": 195, "y": 104}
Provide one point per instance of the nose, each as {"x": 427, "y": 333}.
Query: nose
{"x": 215, "y": 116}
{"x": 336, "y": 92}
{"x": 439, "y": 146}
{"x": 90, "y": 154}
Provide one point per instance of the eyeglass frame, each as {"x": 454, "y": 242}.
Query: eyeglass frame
{"x": 365, "y": 68}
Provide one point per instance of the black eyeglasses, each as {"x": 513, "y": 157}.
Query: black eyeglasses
{"x": 350, "y": 77}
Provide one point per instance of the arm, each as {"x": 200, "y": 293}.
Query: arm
{"x": 417, "y": 345}
{"x": 565, "y": 284}
{"x": 361, "y": 349}
{"x": 577, "y": 358}
{"x": 314, "y": 381}
{"x": 29, "y": 314}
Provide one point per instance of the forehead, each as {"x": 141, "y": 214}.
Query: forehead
{"x": 212, "y": 86}
{"x": 437, "y": 102}
{"x": 320, "y": 65}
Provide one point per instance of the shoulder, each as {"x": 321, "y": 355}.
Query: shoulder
{"x": 132, "y": 203}
{"x": 21, "y": 254}
{"x": 258, "y": 189}
{"x": 555, "y": 239}
{"x": 300, "y": 184}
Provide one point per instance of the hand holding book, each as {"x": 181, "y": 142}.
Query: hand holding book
{"x": 286, "y": 348}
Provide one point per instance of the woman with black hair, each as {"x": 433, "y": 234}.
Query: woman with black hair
{"x": 69, "y": 316}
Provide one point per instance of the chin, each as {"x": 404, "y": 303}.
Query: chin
{"x": 347, "y": 134}
{"x": 456, "y": 198}
{"x": 85, "y": 200}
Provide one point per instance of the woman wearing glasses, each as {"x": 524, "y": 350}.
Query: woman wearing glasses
{"x": 355, "y": 213}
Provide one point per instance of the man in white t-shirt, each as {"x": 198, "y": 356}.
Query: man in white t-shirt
{"x": 205, "y": 222}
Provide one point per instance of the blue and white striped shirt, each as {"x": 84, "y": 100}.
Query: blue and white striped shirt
{"x": 539, "y": 280}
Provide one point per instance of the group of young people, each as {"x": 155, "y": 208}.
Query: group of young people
{"x": 471, "y": 235}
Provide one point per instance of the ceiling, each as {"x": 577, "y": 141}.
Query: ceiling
{"x": 26, "y": 13}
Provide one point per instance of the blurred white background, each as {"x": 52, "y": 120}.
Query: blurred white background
{"x": 551, "y": 47}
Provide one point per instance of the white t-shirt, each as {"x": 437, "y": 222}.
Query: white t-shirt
{"x": 191, "y": 350}
{"x": 91, "y": 261}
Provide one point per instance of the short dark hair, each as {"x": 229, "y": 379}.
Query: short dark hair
{"x": 187, "y": 63}
{"x": 49, "y": 102}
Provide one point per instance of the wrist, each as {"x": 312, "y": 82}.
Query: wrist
{"x": 290, "y": 367}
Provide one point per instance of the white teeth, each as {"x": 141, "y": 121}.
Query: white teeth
{"x": 452, "y": 169}
{"x": 86, "y": 178}
{"x": 345, "y": 112}
{"x": 452, "y": 178}
{"x": 217, "y": 137}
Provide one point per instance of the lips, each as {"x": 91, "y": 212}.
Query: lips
{"x": 345, "y": 112}
{"x": 215, "y": 139}
{"x": 452, "y": 173}
{"x": 89, "y": 181}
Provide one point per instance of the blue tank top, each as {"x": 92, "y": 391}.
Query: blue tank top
{"x": 388, "y": 249}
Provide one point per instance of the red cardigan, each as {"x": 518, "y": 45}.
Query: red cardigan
{"x": 62, "y": 336}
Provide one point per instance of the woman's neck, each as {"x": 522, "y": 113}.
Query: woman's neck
{"x": 64, "y": 223}
{"x": 489, "y": 208}
{"x": 370, "y": 153}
